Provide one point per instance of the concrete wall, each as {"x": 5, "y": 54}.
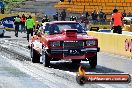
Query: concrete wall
{"x": 114, "y": 43}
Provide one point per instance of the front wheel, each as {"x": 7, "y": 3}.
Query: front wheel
{"x": 46, "y": 59}
{"x": 2, "y": 35}
{"x": 93, "y": 61}
{"x": 35, "y": 56}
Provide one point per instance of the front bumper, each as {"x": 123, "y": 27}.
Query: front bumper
{"x": 67, "y": 54}
{"x": 84, "y": 51}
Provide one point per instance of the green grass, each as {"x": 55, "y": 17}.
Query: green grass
{"x": 9, "y": 4}
{"x": 10, "y": 1}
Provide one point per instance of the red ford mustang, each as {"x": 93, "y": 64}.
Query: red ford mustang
{"x": 65, "y": 40}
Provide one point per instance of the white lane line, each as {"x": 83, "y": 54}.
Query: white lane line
{"x": 71, "y": 73}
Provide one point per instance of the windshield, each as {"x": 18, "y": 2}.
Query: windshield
{"x": 58, "y": 27}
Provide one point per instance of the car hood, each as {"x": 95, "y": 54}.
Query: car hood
{"x": 62, "y": 37}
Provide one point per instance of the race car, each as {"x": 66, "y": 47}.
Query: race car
{"x": 64, "y": 40}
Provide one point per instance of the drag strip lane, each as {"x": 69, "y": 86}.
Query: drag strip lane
{"x": 66, "y": 71}
{"x": 53, "y": 78}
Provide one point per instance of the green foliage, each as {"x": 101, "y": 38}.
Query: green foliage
{"x": 6, "y": 1}
{"x": 9, "y": 4}
{"x": 104, "y": 27}
{"x": 11, "y": 1}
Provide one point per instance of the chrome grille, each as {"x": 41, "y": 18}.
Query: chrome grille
{"x": 73, "y": 44}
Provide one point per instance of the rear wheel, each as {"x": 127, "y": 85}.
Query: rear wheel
{"x": 76, "y": 61}
{"x": 93, "y": 61}
{"x": 46, "y": 59}
{"x": 31, "y": 52}
{"x": 2, "y": 35}
{"x": 35, "y": 56}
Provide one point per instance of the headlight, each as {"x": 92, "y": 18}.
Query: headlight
{"x": 90, "y": 42}
{"x": 55, "y": 44}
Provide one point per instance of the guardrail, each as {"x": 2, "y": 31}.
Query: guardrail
{"x": 120, "y": 44}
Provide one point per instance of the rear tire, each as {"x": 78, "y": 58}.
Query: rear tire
{"x": 31, "y": 52}
{"x": 35, "y": 56}
{"x": 93, "y": 61}
{"x": 2, "y": 35}
{"x": 46, "y": 59}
